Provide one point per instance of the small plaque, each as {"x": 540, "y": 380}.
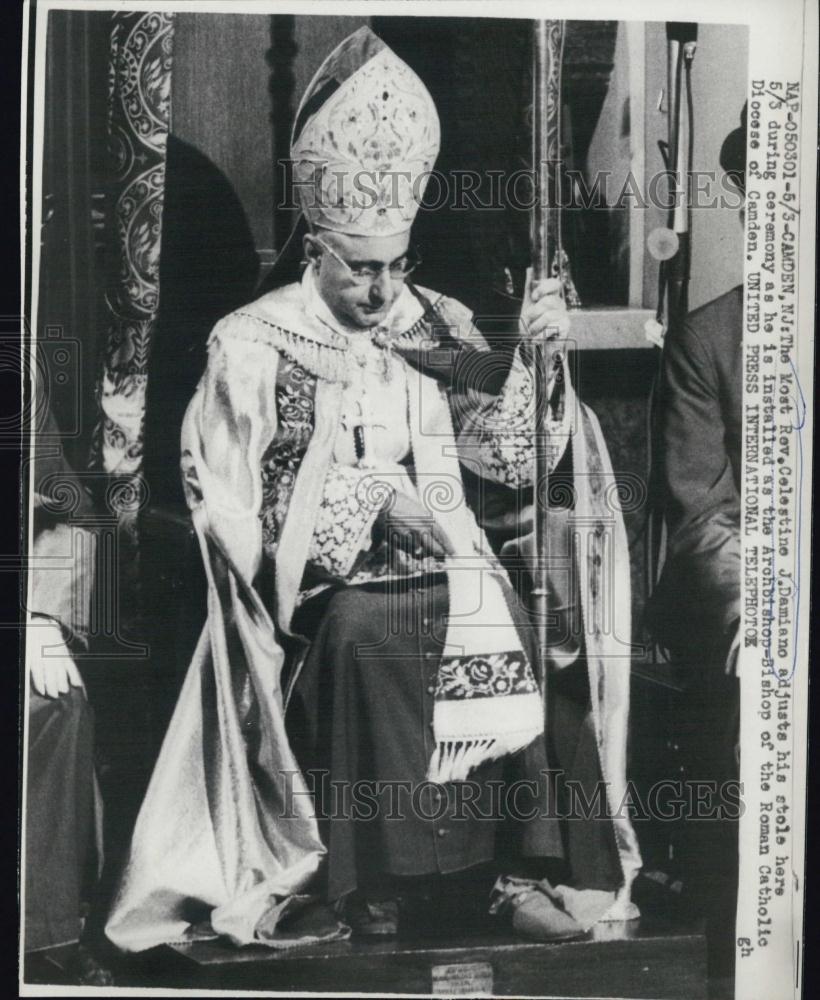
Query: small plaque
{"x": 463, "y": 979}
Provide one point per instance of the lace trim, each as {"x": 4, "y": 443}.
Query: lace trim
{"x": 343, "y": 523}
{"x": 326, "y": 361}
{"x": 329, "y": 361}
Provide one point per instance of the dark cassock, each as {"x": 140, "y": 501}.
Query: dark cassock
{"x": 349, "y": 689}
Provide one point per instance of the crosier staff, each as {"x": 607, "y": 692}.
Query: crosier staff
{"x": 547, "y": 45}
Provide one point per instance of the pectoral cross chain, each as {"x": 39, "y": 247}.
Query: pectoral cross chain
{"x": 361, "y": 420}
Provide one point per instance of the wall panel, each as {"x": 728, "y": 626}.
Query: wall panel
{"x": 222, "y": 105}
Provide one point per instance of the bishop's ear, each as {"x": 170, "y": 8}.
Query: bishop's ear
{"x": 311, "y": 250}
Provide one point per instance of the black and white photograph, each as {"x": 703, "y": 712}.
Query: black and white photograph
{"x": 418, "y": 472}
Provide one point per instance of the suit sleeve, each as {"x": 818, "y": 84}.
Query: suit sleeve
{"x": 700, "y": 585}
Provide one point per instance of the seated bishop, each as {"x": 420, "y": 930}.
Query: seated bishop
{"x": 366, "y": 690}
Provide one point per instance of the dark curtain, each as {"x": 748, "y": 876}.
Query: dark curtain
{"x": 72, "y": 238}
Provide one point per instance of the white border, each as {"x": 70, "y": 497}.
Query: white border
{"x": 760, "y": 15}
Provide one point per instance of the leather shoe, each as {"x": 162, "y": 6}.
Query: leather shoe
{"x": 531, "y": 908}
{"x": 370, "y": 918}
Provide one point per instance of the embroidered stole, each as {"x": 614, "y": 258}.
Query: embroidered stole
{"x": 486, "y": 701}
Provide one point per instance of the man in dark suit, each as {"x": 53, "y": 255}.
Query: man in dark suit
{"x": 694, "y": 613}
{"x": 701, "y": 425}
{"x": 61, "y": 804}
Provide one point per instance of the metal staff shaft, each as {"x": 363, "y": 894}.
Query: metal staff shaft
{"x": 682, "y": 45}
{"x": 546, "y": 92}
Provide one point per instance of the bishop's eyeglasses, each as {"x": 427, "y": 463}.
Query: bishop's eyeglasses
{"x": 365, "y": 274}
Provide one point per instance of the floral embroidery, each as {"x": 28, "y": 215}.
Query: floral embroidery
{"x": 595, "y": 470}
{"x": 505, "y": 430}
{"x": 139, "y": 111}
{"x": 484, "y": 676}
{"x": 295, "y": 389}
{"x": 342, "y": 523}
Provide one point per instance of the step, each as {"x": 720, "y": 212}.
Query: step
{"x": 646, "y": 958}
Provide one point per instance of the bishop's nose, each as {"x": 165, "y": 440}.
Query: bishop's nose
{"x": 381, "y": 290}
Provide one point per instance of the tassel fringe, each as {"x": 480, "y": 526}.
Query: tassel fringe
{"x": 327, "y": 359}
{"x": 453, "y": 761}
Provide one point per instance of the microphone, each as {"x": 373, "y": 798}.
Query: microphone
{"x": 681, "y": 43}
{"x": 681, "y": 31}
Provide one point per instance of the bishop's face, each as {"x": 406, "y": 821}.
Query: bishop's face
{"x": 353, "y": 274}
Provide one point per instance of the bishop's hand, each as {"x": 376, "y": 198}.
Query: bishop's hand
{"x": 409, "y": 527}
{"x": 543, "y": 311}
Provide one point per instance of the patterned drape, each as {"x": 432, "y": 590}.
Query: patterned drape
{"x": 139, "y": 114}
{"x": 139, "y": 118}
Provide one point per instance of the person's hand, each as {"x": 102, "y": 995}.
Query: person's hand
{"x": 410, "y": 527}
{"x": 543, "y": 310}
{"x": 733, "y": 654}
{"x": 51, "y": 668}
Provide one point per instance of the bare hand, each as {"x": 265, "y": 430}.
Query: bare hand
{"x": 543, "y": 309}
{"x": 410, "y": 527}
{"x": 733, "y": 654}
{"x": 52, "y": 670}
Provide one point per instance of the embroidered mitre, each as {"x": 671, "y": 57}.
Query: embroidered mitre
{"x": 365, "y": 138}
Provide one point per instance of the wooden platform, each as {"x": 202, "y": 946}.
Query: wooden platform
{"x": 641, "y": 959}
